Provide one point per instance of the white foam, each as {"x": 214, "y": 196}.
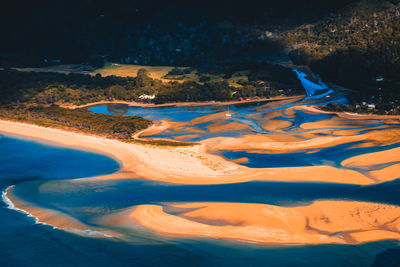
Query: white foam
{"x": 89, "y": 232}
{"x": 11, "y": 206}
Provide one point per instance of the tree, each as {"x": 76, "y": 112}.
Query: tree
{"x": 116, "y": 91}
{"x": 142, "y": 78}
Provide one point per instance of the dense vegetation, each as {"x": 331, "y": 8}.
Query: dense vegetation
{"x": 358, "y": 48}
{"x": 119, "y": 127}
{"x": 157, "y": 142}
{"x": 55, "y": 88}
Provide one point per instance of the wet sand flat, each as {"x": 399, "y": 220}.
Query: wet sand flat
{"x": 319, "y": 223}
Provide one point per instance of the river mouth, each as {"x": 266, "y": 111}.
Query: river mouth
{"x": 131, "y": 218}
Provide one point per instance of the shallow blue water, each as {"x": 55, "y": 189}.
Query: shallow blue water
{"x": 330, "y": 156}
{"x": 171, "y": 112}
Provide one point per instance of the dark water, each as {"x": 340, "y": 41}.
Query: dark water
{"x": 24, "y": 243}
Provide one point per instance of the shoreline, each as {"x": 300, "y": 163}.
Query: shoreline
{"x": 52, "y": 218}
{"x": 349, "y": 115}
{"x": 182, "y": 165}
{"x": 133, "y": 158}
{"x": 179, "y": 104}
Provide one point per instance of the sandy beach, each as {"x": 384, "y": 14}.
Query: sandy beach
{"x": 321, "y": 222}
{"x": 186, "y": 165}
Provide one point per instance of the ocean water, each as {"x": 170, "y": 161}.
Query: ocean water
{"x": 31, "y": 160}
{"x": 25, "y": 243}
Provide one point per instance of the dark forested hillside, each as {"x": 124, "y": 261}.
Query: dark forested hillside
{"x": 358, "y": 47}
{"x": 148, "y": 32}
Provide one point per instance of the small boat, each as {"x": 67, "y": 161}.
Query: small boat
{"x": 228, "y": 114}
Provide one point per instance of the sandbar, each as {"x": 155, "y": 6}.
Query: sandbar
{"x": 322, "y": 222}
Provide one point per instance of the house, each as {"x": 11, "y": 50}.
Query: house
{"x": 147, "y": 97}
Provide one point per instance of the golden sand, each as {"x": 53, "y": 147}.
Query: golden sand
{"x": 226, "y": 127}
{"x": 187, "y": 165}
{"x": 290, "y": 143}
{"x": 335, "y": 122}
{"x": 241, "y": 160}
{"x": 390, "y": 155}
{"x": 319, "y": 223}
{"x": 387, "y": 174}
{"x": 276, "y": 126}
